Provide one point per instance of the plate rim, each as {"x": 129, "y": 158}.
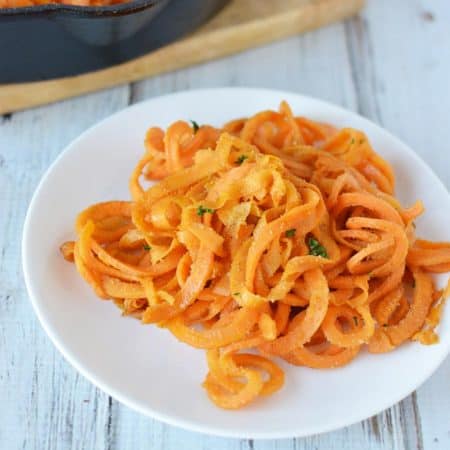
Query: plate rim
{"x": 147, "y": 410}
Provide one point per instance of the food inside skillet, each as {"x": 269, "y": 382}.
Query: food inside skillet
{"x": 23, "y": 3}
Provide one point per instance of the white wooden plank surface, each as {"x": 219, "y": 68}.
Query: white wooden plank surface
{"x": 391, "y": 64}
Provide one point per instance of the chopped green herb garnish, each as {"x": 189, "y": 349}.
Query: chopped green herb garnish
{"x": 237, "y": 293}
{"x": 352, "y": 141}
{"x": 290, "y": 233}
{"x": 202, "y": 210}
{"x": 195, "y": 126}
{"x": 147, "y": 247}
{"x": 316, "y": 248}
{"x": 241, "y": 159}
{"x": 355, "y": 320}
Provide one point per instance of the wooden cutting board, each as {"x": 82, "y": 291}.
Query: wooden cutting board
{"x": 240, "y": 25}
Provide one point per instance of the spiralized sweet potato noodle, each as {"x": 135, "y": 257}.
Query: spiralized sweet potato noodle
{"x": 276, "y": 234}
{"x": 24, "y": 3}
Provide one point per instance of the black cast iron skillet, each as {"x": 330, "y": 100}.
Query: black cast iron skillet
{"x": 55, "y": 40}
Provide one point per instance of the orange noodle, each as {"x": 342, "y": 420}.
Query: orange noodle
{"x": 274, "y": 234}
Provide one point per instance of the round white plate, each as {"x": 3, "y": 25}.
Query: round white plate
{"x": 144, "y": 366}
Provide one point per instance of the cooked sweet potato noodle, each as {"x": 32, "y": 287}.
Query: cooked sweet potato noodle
{"x": 25, "y": 3}
{"x": 274, "y": 234}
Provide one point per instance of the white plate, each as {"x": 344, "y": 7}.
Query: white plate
{"x": 144, "y": 366}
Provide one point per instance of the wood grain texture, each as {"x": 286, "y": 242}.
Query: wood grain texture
{"x": 241, "y": 25}
{"x": 45, "y": 404}
{"x": 391, "y": 64}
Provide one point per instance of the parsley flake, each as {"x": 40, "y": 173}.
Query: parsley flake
{"x": 290, "y": 233}
{"x": 241, "y": 159}
{"x": 316, "y": 248}
{"x": 355, "y": 320}
{"x": 147, "y": 247}
{"x": 201, "y": 210}
{"x": 237, "y": 293}
{"x": 195, "y": 126}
